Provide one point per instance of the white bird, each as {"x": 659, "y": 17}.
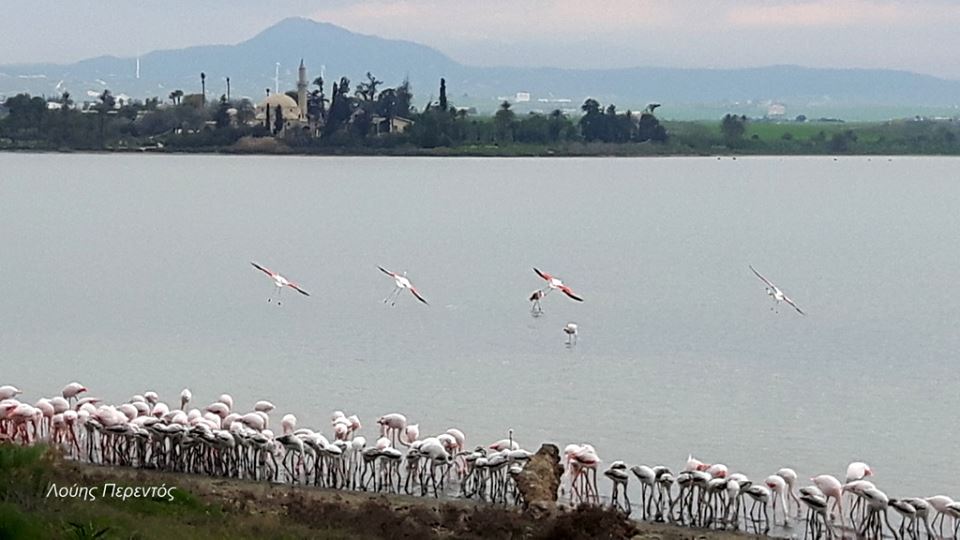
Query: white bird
{"x": 7, "y": 391}
{"x": 279, "y": 282}
{"x": 571, "y": 330}
{"x": 776, "y": 293}
{"x": 401, "y": 282}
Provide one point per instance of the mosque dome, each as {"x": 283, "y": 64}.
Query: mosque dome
{"x": 287, "y": 105}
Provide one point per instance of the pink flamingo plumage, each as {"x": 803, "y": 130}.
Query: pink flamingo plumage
{"x": 279, "y": 282}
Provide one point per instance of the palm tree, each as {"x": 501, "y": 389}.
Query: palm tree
{"x": 203, "y": 87}
{"x": 107, "y": 101}
{"x": 176, "y": 96}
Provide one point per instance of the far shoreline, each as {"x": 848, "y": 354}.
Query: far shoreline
{"x": 455, "y": 153}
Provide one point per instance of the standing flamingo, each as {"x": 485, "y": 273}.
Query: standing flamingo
{"x": 571, "y": 330}
{"x": 535, "y": 297}
{"x": 400, "y": 283}
{"x": 279, "y": 282}
{"x": 72, "y": 390}
{"x": 8, "y": 392}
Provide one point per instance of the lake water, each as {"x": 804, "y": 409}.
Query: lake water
{"x": 131, "y": 273}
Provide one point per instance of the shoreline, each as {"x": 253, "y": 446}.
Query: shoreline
{"x": 422, "y": 153}
{"x": 203, "y": 507}
{"x": 299, "y": 511}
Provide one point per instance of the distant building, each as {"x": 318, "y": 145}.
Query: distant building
{"x": 302, "y": 91}
{"x": 294, "y": 112}
{"x": 523, "y": 97}
{"x": 776, "y": 110}
{"x": 288, "y": 108}
{"x": 384, "y": 126}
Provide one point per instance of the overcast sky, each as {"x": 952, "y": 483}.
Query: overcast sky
{"x": 916, "y": 35}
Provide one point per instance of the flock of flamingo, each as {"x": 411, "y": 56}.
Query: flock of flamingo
{"x": 553, "y": 283}
{"x": 224, "y": 441}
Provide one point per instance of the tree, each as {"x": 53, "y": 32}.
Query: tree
{"x": 176, "y": 96}
{"x": 317, "y": 103}
{"x": 503, "y": 122}
{"x": 222, "y": 117}
{"x": 277, "y": 119}
{"x": 733, "y": 127}
{"x": 650, "y": 129}
{"x": 246, "y": 112}
{"x": 404, "y": 98}
{"x": 203, "y": 87}
{"x": 341, "y": 107}
{"x": 24, "y": 112}
{"x": 367, "y": 91}
{"x": 443, "y": 94}
{"x": 558, "y": 125}
{"x": 591, "y": 123}
{"x": 107, "y": 102}
{"x": 387, "y": 103}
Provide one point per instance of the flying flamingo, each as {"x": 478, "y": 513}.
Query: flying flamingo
{"x": 774, "y": 292}
{"x": 553, "y": 283}
{"x": 279, "y": 282}
{"x": 401, "y": 283}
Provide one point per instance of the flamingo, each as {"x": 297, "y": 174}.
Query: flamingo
{"x": 790, "y": 477}
{"x": 279, "y": 282}
{"x": 831, "y": 487}
{"x": 555, "y": 283}
{"x": 401, "y": 282}
{"x": 72, "y": 390}
{"x": 571, "y": 330}
{"x": 776, "y": 293}
{"x": 535, "y": 297}
{"x": 8, "y": 392}
{"x": 185, "y": 397}
{"x": 617, "y": 473}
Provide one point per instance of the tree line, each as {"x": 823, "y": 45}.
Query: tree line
{"x": 349, "y": 115}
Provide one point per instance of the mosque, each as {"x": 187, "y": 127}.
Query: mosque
{"x": 294, "y": 112}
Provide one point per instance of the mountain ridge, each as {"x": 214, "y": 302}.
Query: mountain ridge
{"x": 250, "y": 64}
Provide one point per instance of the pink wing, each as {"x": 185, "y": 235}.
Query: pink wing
{"x": 544, "y": 275}
{"x": 297, "y": 288}
{"x": 420, "y": 298}
{"x": 266, "y": 271}
{"x": 566, "y": 290}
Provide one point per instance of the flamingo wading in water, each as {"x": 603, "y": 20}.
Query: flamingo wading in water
{"x": 401, "y": 282}
{"x": 571, "y": 330}
{"x": 279, "y": 282}
{"x": 774, "y": 292}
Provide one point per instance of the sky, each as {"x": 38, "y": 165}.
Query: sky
{"x": 913, "y": 35}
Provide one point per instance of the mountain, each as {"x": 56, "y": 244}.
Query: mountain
{"x": 251, "y": 68}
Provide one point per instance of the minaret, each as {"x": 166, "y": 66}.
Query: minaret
{"x": 302, "y": 91}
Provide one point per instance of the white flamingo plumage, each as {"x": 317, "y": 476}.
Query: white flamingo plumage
{"x": 554, "y": 282}
{"x": 776, "y": 293}
{"x": 279, "y": 282}
{"x": 401, "y": 282}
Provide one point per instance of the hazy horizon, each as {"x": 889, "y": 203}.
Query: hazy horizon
{"x": 885, "y": 34}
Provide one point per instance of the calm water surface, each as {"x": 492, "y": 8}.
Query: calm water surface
{"x": 131, "y": 273}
